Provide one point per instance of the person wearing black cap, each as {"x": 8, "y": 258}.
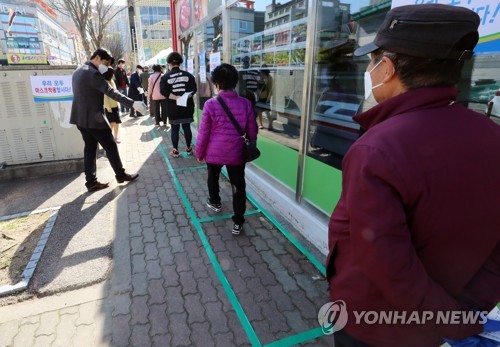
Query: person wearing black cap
{"x": 173, "y": 85}
{"x": 416, "y": 229}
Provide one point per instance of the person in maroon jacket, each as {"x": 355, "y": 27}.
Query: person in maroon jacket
{"x": 417, "y": 228}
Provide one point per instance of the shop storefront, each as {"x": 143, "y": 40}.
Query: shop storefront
{"x": 296, "y": 58}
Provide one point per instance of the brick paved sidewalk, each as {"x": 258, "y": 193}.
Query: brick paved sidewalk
{"x": 180, "y": 278}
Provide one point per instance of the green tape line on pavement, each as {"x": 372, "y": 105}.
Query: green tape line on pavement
{"x": 321, "y": 268}
{"x": 296, "y": 339}
{"x": 227, "y": 216}
{"x": 254, "y": 340}
{"x": 189, "y": 168}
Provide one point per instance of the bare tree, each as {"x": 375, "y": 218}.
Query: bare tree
{"x": 185, "y": 44}
{"x": 114, "y": 43}
{"x": 91, "y": 17}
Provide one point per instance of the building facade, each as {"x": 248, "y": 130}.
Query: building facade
{"x": 150, "y": 28}
{"x": 35, "y": 36}
{"x": 307, "y": 46}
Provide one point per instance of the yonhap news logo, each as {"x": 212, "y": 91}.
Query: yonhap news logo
{"x": 333, "y": 317}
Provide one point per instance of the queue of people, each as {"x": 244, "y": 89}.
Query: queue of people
{"x": 400, "y": 236}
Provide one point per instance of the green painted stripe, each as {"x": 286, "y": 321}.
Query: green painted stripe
{"x": 190, "y": 168}
{"x": 296, "y": 339}
{"x": 321, "y": 268}
{"x": 254, "y": 340}
{"x": 227, "y": 216}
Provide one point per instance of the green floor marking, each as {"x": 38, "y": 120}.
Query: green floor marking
{"x": 254, "y": 340}
{"x": 321, "y": 268}
{"x": 296, "y": 339}
{"x": 190, "y": 168}
{"x": 247, "y": 326}
{"x": 227, "y": 216}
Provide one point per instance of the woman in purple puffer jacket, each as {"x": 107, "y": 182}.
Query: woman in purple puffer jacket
{"x": 220, "y": 144}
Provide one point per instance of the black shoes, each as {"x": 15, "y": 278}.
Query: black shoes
{"x": 97, "y": 186}
{"x": 127, "y": 178}
{"x": 237, "y": 229}
{"x": 214, "y": 207}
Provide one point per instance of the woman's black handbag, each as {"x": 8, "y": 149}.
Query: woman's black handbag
{"x": 251, "y": 152}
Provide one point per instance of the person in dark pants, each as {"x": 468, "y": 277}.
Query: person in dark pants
{"x": 158, "y": 103}
{"x": 87, "y": 113}
{"x": 219, "y": 143}
{"x": 121, "y": 81}
{"x": 416, "y": 231}
{"x": 135, "y": 90}
{"x": 173, "y": 85}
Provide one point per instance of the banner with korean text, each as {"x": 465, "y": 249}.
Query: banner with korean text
{"x": 488, "y": 11}
{"x": 51, "y": 88}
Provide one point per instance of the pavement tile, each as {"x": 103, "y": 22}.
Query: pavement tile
{"x": 65, "y": 330}
{"x": 139, "y": 284}
{"x": 200, "y": 335}
{"x": 7, "y": 332}
{"x": 43, "y": 340}
{"x": 158, "y": 319}
{"x": 121, "y": 330}
{"x": 162, "y": 340}
{"x": 179, "y": 329}
{"x": 140, "y": 335}
{"x": 174, "y": 300}
{"x": 121, "y": 304}
{"x": 139, "y": 310}
{"x": 153, "y": 269}
{"x": 156, "y": 292}
{"x": 48, "y": 323}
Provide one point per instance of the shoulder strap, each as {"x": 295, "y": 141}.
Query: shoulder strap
{"x": 157, "y": 78}
{"x": 231, "y": 117}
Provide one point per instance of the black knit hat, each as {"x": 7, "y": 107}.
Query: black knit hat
{"x": 428, "y": 31}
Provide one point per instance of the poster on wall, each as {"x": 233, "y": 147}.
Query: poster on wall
{"x": 488, "y": 11}
{"x": 51, "y": 88}
{"x": 255, "y": 60}
{"x": 200, "y": 10}
{"x": 190, "y": 66}
{"x": 184, "y": 14}
{"x": 214, "y": 60}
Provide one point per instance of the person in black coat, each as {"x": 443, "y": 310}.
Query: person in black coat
{"x": 173, "y": 85}
{"x": 121, "y": 81}
{"x": 87, "y": 113}
{"x": 135, "y": 90}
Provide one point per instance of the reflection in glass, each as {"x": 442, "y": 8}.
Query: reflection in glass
{"x": 338, "y": 76}
{"x": 269, "y": 55}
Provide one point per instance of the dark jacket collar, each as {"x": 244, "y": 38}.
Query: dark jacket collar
{"x": 89, "y": 63}
{"x": 421, "y": 98}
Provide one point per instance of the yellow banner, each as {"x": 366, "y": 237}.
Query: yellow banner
{"x": 15, "y": 58}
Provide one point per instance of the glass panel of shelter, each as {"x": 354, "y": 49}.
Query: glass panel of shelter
{"x": 268, "y": 42}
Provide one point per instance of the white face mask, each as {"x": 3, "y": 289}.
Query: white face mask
{"x": 368, "y": 82}
{"x": 102, "y": 68}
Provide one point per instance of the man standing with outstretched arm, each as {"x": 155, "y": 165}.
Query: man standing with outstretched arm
{"x": 87, "y": 113}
